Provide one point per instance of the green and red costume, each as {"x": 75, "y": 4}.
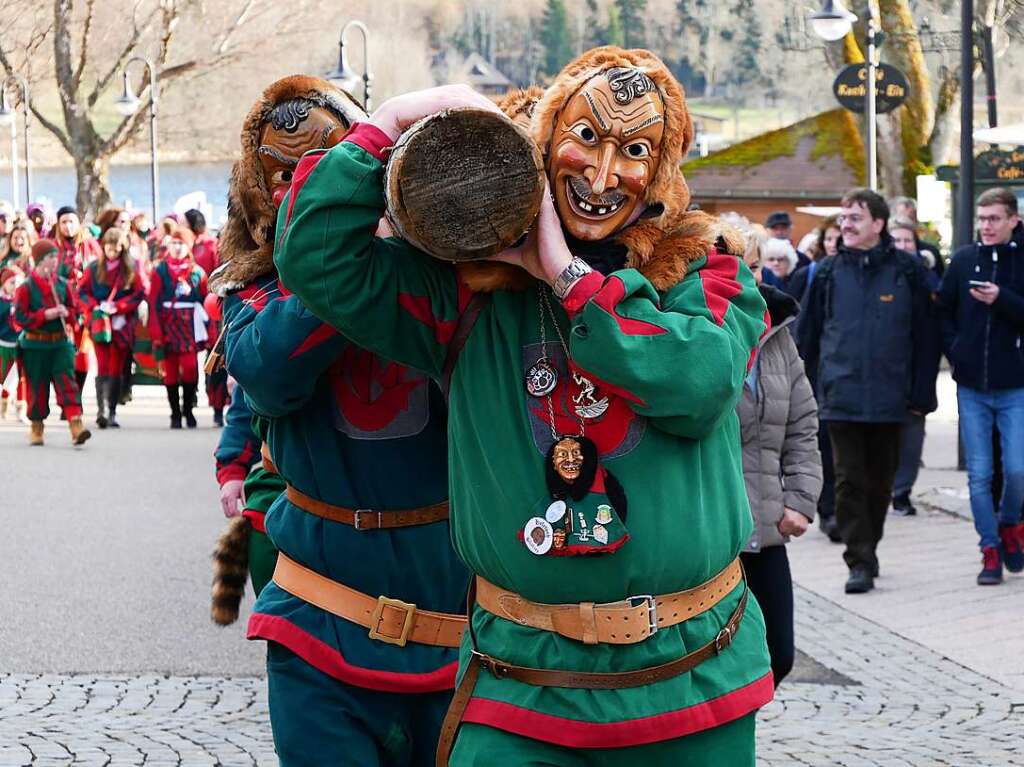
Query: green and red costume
{"x": 672, "y": 365}
{"x": 176, "y": 293}
{"x": 75, "y": 255}
{"x": 350, "y": 429}
{"x": 47, "y": 354}
{"x": 8, "y": 343}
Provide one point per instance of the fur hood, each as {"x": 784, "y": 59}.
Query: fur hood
{"x": 246, "y": 241}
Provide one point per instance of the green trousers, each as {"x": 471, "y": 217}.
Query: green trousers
{"x": 46, "y": 365}
{"x": 730, "y": 745}
{"x": 262, "y": 560}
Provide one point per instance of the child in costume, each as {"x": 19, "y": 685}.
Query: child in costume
{"x": 10, "y": 278}
{"x": 177, "y": 324}
{"x": 110, "y": 292}
{"x": 626, "y": 321}
{"x": 78, "y": 249}
{"x": 45, "y": 309}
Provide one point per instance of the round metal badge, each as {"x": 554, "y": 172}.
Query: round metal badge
{"x": 555, "y": 512}
{"x": 541, "y": 379}
{"x": 538, "y": 536}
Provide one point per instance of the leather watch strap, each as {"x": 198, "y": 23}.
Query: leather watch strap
{"x": 369, "y": 519}
{"x": 388, "y": 620}
{"x": 627, "y": 622}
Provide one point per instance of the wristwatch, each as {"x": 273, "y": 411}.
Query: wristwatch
{"x": 563, "y": 282}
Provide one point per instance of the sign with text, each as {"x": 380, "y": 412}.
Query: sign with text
{"x": 850, "y": 87}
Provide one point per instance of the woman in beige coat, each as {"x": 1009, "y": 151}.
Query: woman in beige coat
{"x": 781, "y": 463}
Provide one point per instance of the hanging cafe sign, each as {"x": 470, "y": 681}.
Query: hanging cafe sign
{"x": 850, "y": 87}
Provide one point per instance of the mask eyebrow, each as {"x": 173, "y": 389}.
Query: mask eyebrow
{"x": 593, "y": 108}
{"x": 271, "y": 152}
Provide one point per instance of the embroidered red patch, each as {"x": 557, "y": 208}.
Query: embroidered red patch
{"x": 610, "y": 296}
{"x": 370, "y": 392}
{"x": 718, "y": 280}
{"x": 419, "y": 307}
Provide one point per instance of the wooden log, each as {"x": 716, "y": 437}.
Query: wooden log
{"x": 464, "y": 184}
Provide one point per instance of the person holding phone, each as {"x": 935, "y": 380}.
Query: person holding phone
{"x": 982, "y": 306}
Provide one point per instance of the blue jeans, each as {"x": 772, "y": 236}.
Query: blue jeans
{"x": 978, "y": 412}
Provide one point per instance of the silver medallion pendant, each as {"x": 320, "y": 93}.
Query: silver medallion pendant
{"x": 541, "y": 378}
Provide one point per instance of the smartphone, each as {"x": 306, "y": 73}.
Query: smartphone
{"x": 978, "y": 283}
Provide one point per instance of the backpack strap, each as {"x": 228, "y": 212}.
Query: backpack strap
{"x": 467, "y": 320}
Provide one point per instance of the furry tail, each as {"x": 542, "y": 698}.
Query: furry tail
{"x": 230, "y": 571}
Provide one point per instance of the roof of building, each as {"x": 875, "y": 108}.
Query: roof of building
{"x": 480, "y": 73}
{"x": 821, "y": 156}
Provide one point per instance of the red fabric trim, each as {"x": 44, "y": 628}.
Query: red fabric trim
{"x": 230, "y": 471}
{"x": 321, "y": 335}
{"x": 370, "y": 139}
{"x": 584, "y": 289}
{"x": 609, "y": 298}
{"x": 256, "y": 519}
{"x": 299, "y": 177}
{"x": 718, "y": 279}
{"x": 419, "y": 307}
{"x": 325, "y": 658}
{"x": 573, "y": 733}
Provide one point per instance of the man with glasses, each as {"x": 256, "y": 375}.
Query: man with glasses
{"x": 868, "y": 331}
{"x": 982, "y": 305}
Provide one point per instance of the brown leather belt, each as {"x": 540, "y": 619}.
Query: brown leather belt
{"x": 46, "y": 338}
{"x": 577, "y": 680}
{"x": 627, "y": 622}
{"x": 369, "y": 519}
{"x": 268, "y": 462}
{"x": 389, "y": 620}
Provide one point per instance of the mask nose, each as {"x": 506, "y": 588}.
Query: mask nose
{"x": 603, "y": 176}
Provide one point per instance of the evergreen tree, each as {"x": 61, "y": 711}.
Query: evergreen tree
{"x": 613, "y": 32}
{"x": 554, "y": 36}
{"x": 631, "y": 16}
{"x": 746, "y": 67}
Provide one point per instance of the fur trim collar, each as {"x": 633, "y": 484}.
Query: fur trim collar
{"x": 662, "y": 255}
{"x": 246, "y": 241}
{"x": 668, "y": 187}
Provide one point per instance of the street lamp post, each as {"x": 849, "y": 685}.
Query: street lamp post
{"x": 344, "y": 76}
{"x": 832, "y": 23}
{"x": 965, "y": 205}
{"x": 127, "y": 105}
{"x": 7, "y": 114}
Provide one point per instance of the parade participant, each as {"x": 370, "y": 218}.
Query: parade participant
{"x": 340, "y": 423}
{"x": 77, "y": 249}
{"x": 45, "y": 309}
{"x": 217, "y": 378}
{"x": 37, "y": 214}
{"x": 177, "y": 324}
{"x": 10, "y": 278}
{"x": 636, "y": 348}
{"x": 248, "y": 488}
{"x": 18, "y": 247}
{"x": 205, "y": 251}
{"x": 110, "y": 292}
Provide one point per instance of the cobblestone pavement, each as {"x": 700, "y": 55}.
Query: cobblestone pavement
{"x": 907, "y": 706}
{"x": 115, "y": 721}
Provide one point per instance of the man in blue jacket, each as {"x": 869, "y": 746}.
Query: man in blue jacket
{"x": 982, "y": 305}
{"x": 868, "y": 331}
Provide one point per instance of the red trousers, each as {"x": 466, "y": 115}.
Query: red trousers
{"x": 181, "y": 368}
{"x": 109, "y": 359}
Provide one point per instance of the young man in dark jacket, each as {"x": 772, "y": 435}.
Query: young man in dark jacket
{"x": 982, "y": 305}
{"x": 868, "y": 331}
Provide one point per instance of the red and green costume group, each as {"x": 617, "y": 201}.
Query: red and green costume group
{"x": 350, "y": 429}
{"x": 671, "y": 366}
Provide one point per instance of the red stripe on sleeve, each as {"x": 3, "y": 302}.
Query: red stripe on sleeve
{"x": 371, "y": 139}
{"x": 320, "y": 335}
{"x": 301, "y": 175}
{"x": 610, "y": 296}
{"x": 581, "y": 292}
{"x": 419, "y": 307}
{"x": 718, "y": 280}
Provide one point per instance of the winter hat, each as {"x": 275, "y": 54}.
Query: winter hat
{"x": 10, "y": 271}
{"x": 183, "y": 234}
{"x": 64, "y": 210}
{"x": 44, "y": 248}
{"x": 778, "y": 218}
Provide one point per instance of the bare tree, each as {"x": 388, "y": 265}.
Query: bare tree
{"x": 82, "y": 75}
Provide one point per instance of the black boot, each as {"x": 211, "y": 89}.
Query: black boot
{"x": 218, "y": 416}
{"x": 113, "y": 396}
{"x": 101, "y": 396}
{"x": 188, "y": 403}
{"x": 80, "y": 376}
{"x": 175, "y": 402}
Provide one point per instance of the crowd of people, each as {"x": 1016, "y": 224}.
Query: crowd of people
{"x": 118, "y": 290}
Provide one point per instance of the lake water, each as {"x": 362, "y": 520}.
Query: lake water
{"x": 130, "y": 184}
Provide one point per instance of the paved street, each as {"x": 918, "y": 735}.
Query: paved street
{"x": 107, "y": 655}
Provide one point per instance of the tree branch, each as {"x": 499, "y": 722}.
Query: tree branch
{"x": 119, "y": 62}
{"x": 86, "y": 33}
{"x": 52, "y": 127}
{"x": 240, "y": 20}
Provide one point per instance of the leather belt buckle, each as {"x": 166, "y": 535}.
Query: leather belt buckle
{"x": 358, "y": 524}
{"x": 723, "y": 639}
{"x": 652, "y": 610}
{"x": 378, "y": 613}
{"x": 498, "y": 669}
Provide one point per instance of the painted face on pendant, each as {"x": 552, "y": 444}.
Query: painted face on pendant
{"x": 293, "y": 129}
{"x": 605, "y": 151}
{"x": 568, "y": 459}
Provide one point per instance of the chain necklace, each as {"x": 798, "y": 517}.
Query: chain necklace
{"x": 544, "y": 307}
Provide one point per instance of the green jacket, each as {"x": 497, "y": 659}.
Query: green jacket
{"x": 671, "y": 366}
